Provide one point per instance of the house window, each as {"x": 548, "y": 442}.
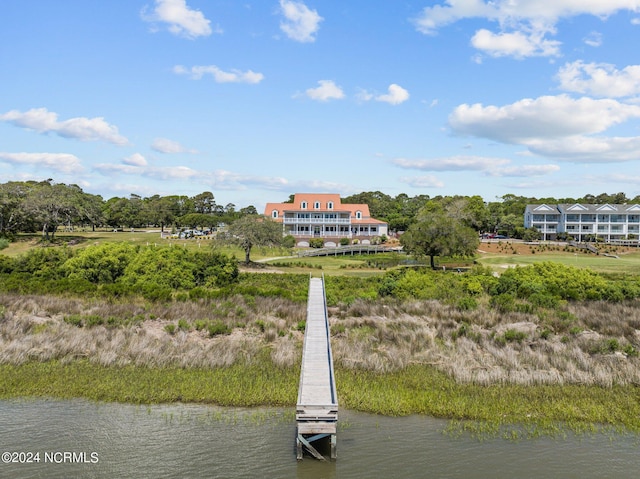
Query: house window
{"x": 303, "y": 205}
{"x": 358, "y": 215}
{"x": 316, "y": 205}
{"x": 274, "y": 214}
{"x": 330, "y": 205}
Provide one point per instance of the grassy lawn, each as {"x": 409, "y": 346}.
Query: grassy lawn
{"x": 627, "y": 263}
{"x": 343, "y": 265}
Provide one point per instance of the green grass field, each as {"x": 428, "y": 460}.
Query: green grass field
{"x": 627, "y": 263}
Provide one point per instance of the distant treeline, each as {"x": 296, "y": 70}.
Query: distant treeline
{"x": 31, "y": 206}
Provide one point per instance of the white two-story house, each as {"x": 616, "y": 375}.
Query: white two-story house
{"x": 583, "y": 221}
{"x": 323, "y": 215}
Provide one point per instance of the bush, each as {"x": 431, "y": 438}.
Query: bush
{"x": 344, "y": 241}
{"x": 288, "y": 241}
{"x": 504, "y": 303}
{"x": 554, "y": 279}
{"x": 218, "y": 327}
{"x": 100, "y": 264}
{"x": 466, "y": 303}
{"x": 4, "y": 243}
{"x": 316, "y": 243}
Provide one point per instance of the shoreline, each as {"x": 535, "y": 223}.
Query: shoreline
{"x": 540, "y": 410}
{"x": 485, "y": 367}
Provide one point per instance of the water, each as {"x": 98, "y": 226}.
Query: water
{"x": 193, "y": 441}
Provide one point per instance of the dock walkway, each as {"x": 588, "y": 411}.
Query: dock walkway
{"x": 317, "y": 407}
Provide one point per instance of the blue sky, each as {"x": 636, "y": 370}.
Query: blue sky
{"x": 256, "y": 100}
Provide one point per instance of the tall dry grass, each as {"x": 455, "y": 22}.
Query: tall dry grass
{"x": 33, "y": 328}
{"x": 485, "y": 347}
{"x": 480, "y": 346}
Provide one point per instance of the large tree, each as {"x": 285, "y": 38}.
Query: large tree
{"x": 436, "y": 233}
{"x": 254, "y": 230}
{"x": 54, "y": 204}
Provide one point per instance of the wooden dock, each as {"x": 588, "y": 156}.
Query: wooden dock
{"x": 317, "y": 407}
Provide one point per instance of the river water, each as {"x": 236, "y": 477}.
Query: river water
{"x": 80, "y": 439}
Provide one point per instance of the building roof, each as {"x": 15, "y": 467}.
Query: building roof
{"x": 326, "y": 202}
{"x": 585, "y": 208}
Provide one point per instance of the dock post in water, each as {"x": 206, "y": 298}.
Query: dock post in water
{"x": 317, "y": 407}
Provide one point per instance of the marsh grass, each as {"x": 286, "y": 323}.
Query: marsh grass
{"x": 392, "y": 357}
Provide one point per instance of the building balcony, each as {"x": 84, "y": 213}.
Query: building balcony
{"x": 317, "y": 221}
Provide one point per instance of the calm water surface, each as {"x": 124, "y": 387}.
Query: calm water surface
{"x": 186, "y": 441}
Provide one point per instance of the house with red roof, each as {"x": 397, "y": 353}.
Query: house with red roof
{"x": 323, "y": 215}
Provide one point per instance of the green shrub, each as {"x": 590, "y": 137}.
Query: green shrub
{"x": 546, "y": 333}
{"x": 504, "y": 303}
{"x": 288, "y": 241}
{"x": 154, "y": 292}
{"x": 467, "y": 303}
{"x": 513, "y": 335}
{"x": 344, "y": 241}
{"x": 44, "y": 263}
{"x": 74, "y": 320}
{"x": 103, "y": 263}
{"x": 4, "y": 243}
{"x": 554, "y": 279}
{"x": 93, "y": 320}
{"x": 170, "y": 328}
{"x": 218, "y": 327}
{"x": 316, "y": 243}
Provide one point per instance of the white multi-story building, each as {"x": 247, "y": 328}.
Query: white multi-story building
{"x": 323, "y": 215}
{"x": 584, "y": 221}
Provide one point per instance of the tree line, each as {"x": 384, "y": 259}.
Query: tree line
{"x": 31, "y": 206}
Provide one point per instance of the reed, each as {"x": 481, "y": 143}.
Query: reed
{"x": 392, "y": 357}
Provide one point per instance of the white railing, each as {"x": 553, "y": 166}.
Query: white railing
{"x": 318, "y": 221}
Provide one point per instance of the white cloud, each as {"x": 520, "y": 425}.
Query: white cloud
{"x": 554, "y": 126}
{"x": 523, "y": 23}
{"x": 220, "y": 76}
{"x": 600, "y": 79}
{"x": 182, "y": 20}
{"x": 585, "y": 149}
{"x": 160, "y": 173}
{"x": 301, "y": 23}
{"x": 80, "y": 128}
{"x": 63, "y": 162}
{"x": 453, "y": 163}
{"x": 594, "y": 39}
{"x": 618, "y": 178}
{"x": 546, "y": 117}
{"x": 135, "y": 160}
{"x": 517, "y": 44}
{"x": 364, "y": 95}
{"x": 427, "y": 181}
{"x": 396, "y": 95}
{"x": 511, "y": 11}
{"x": 327, "y": 90}
{"x": 524, "y": 170}
{"x": 487, "y": 165}
{"x": 164, "y": 145}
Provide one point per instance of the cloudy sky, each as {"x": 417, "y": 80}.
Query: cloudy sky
{"x": 257, "y": 99}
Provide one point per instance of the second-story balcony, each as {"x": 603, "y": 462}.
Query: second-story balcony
{"x": 317, "y": 221}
